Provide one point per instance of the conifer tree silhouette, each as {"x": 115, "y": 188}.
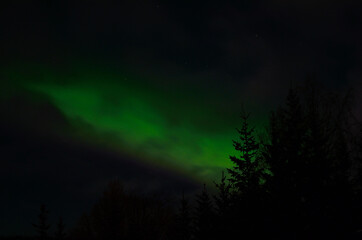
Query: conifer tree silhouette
{"x": 121, "y": 215}
{"x": 183, "y": 221}
{"x": 60, "y": 231}
{"x": 42, "y": 226}
{"x": 108, "y": 213}
{"x": 285, "y": 160}
{"x": 204, "y": 216}
{"x": 357, "y": 188}
{"x": 223, "y": 197}
{"x": 309, "y": 158}
{"x": 246, "y": 173}
{"x": 83, "y": 229}
{"x": 223, "y": 204}
{"x": 246, "y": 182}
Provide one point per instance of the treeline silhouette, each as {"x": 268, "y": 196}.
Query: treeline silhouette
{"x": 302, "y": 179}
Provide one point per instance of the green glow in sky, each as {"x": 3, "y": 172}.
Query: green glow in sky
{"x": 169, "y": 127}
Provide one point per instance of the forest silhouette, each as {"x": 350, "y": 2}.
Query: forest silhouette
{"x": 302, "y": 179}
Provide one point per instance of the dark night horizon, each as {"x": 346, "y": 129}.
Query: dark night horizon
{"x": 150, "y": 92}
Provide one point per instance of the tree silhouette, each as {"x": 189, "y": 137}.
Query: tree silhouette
{"x": 246, "y": 178}
{"x": 327, "y": 156}
{"x": 246, "y": 174}
{"x": 108, "y": 212}
{"x": 183, "y": 221}
{"x": 357, "y": 188}
{"x": 42, "y": 226}
{"x": 83, "y": 229}
{"x": 204, "y": 216}
{"x": 120, "y": 215}
{"x": 309, "y": 158}
{"x": 223, "y": 197}
{"x": 223, "y": 203}
{"x": 285, "y": 160}
{"x": 60, "y": 232}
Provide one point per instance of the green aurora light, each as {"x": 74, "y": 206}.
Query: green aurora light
{"x": 167, "y": 128}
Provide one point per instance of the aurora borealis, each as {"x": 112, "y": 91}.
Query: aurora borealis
{"x": 158, "y": 127}
{"x": 150, "y": 92}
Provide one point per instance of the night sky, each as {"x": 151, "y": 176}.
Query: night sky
{"x": 150, "y": 92}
